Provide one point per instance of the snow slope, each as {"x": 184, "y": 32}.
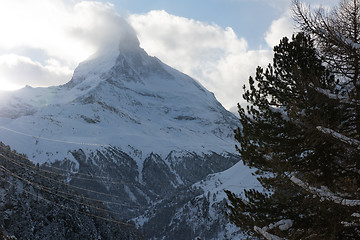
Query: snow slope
{"x": 122, "y": 98}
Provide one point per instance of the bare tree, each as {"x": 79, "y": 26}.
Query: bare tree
{"x": 337, "y": 34}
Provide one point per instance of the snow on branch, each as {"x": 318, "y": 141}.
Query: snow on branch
{"x": 283, "y": 225}
{"x": 267, "y": 235}
{"x": 342, "y": 138}
{"x": 325, "y": 193}
{"x": 353, "y": 224}
{"x": 330, "y": 95}
{"x": 347, "y": 41}
{"x": 350, "y": 224}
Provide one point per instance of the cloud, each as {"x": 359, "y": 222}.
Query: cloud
{"x": 17, "y": 71}
{"x": 285, "y": 25}
{"x": 64, "y": 33}
{"x": 215, "y": 56}
{"x": 101, "y": 26}
{"x": 282, "y": 27}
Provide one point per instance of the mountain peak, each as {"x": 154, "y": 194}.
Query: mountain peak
{"x": 122, "y": 39}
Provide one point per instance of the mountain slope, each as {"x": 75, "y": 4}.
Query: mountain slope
{"x": 151, "y": 130}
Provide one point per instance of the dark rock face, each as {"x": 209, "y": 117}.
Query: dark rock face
{"x": 56, "y": 202}
{"x": 164, "y": 194}
{"x": 157, "y": 176}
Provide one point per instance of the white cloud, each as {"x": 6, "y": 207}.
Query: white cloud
{"x": 17, "y": 71}
{"x": 216, "y": 57}
{"x": 282, "y": 27}
{"x": 39, "y": 24}
{"x": 65, "y": 33}
{"x": 285, "y": 25}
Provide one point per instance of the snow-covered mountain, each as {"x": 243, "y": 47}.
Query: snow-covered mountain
{"x": 130, "y": 117}
{"x": 122, "y": 99}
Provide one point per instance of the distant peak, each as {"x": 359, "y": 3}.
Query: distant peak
{"x": 122, "y": 40}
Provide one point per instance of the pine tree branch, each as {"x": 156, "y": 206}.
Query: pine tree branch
{"x": 341, "y": 99}
{"x": 342, "y": 138}
{"x": 325, "y": 193}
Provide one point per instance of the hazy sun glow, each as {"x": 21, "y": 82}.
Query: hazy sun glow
{"x": 6, "y": 86}
{"x": 43, "y": 41}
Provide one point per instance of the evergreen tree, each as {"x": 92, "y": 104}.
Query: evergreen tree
{"x": 296, "y": 133}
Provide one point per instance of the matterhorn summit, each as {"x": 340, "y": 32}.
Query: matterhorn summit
{"x": 119, "y": 97}
{"x": 127, "y": 116}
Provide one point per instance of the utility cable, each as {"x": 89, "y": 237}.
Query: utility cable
{"x": 81, "y": 178}
{"x": 79, "y": 188}
{"x": 74, "y": 210}
{"x": 46, "y": 189}
{"x": 54, "y": 140}
{"x": 68, "y": 171}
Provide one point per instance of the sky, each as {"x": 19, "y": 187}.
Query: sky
{"x": 217, "y": 42}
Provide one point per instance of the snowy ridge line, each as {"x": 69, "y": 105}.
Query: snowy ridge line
{"x": 46, "y": 189}
{"x": 67, "y": 171}
{"x": 330, "y": 95}
{"x": 71, "y": 186}
{"x": 55, "y": 140}
{"x": 325, "y": 193}
{"x": 72, "y": 209}
{"x": 342, "y": 138}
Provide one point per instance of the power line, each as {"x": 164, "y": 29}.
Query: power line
{"x": 111, "y": 180}
{"x": 74, "y": 210}
{"x": 54, "y": 140}
{"x": 67, "y": 185}
{"x": 46, "y": 189}
{"x": 81, "y": 178}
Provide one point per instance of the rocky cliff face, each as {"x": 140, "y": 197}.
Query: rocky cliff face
{"x": 128, "y": 129}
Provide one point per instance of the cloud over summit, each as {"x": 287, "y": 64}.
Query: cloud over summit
{"x": 64, "y": 33}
